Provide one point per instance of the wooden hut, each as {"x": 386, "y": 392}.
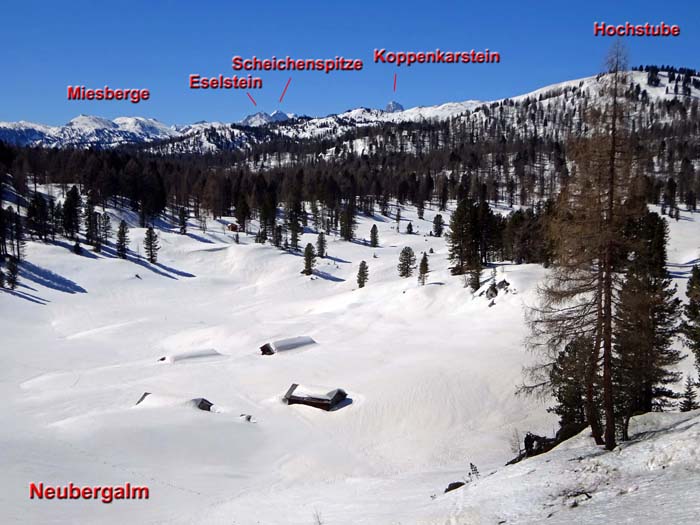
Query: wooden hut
{"x": 297, "y": 395}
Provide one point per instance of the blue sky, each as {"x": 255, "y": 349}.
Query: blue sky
{"x": 157, "y": 44}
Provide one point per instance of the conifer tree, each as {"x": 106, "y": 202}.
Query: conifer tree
{"x": 106, "y": 227}
{"x": 688, "y": 397}
{"x": 398, "y": 219}
{"x": 423, "y": 269}
{"x": 594, "y": 207}
{"x": 182, "y": 220}
{"x": 362, "y": 275}
{"x": 12, "y": 273}
{"x": 409, "y": 228}
{"x": 691, "y": 323}
{"x": 295, "y": 230}
{"x": 309, "y": 259}
{"x": 38, "y": 217}
{"x": 71, "y": 213}
{"x": 57, "y": 226}
{"x": 122, "y": 240}
{"x": 407, "y": 262}
{"x": 321, "y": 245}
{"x": 567, "y": 376}
{"x": 474, "y": 272}
{"x": 150, "y": 244}
{"x": 277, "y": 236}
{"x": 374, "y": 236}
{"x": 347, "y": 222}
{"x": 438, "y": 225}
{"x": 463, "y": 240}
{"x": 645, "y": 325}
{"x": 20, "y": 242}
{"x": 91, "y": 223}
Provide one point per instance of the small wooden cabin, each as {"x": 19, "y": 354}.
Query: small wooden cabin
{"x": 286, "y": 344}
{"x": 325, "y": 401}
{"x": 232, "y": 227}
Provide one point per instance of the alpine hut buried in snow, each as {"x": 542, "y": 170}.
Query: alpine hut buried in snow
{"x": 330, "y": 400}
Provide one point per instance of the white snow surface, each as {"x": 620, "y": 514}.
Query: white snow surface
{"x": 431, "y": 371}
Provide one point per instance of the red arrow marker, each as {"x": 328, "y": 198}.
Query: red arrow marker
{"x": 251, "y": 99}
{"x": 285, "y": 88}
{"x": 394, "y": 82}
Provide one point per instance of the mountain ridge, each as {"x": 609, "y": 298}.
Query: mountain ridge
{"x": 85, "y": 131}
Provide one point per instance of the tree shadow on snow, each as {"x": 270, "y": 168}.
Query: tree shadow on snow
{"x": 335, "y": 259}
{"x": 328, "y": 276}
{"x": 170, "y": 269}
{"x": 26, "y": 296}
{"x": 43, "y": 277}
{"x": 199, "y": 238}
{"x": 86, "y": 249}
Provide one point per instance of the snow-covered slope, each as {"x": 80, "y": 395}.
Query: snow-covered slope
{"x": 430, "y": 370}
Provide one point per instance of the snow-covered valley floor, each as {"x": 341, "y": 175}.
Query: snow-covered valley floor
{"x": 431, "y": 371}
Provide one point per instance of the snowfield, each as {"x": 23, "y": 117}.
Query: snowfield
{"x": 431, "y": 371}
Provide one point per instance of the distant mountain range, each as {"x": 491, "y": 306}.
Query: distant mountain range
{"x": 206, "y": 137}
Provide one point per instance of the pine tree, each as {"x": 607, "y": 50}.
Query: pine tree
{"x": 691, "y": 324}
{"x": 106, "y": 227}
{"x": 567, "y": 376}
{"x": 409, "y": 228}
{"x": 474, "y": 272}
{"x": 347, "y": 221}
{"x": 12, "y": 273}
{"x": 150, "y": 244}
{"x": 182, "y": 220}
{"x": 71, "y": 213}
{"x": 374, "y": 236}
{"x": 423, "y": 269}
{"x": 407, "y": 262}
{"x": 362, "y": 275}
{"x": 463, "y": 240}
{"x": 20, "y": 242}
{"x": 91, "y": 224}
{"x": 398, "y": 219}
{"x": 38, "y": 217}
{"x": 277, "y": 236}
{"x": 688, "y": 397}
{"x": 309, "y": 259}
{"x": 57, "y": 226}
{"x": 646, "y": 324}
{"x": 438, "y": 225}
{"x": 593, "y": 208}
{"x": 321, "y": 245}
{"x": 122, "y": 240}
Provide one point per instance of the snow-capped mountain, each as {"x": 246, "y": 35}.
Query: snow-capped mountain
{"x": 87, "y": 131}
{"x": 90, "y": 131}
{"x": 393, "y": 107}
{"x": 261, "y": 118}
